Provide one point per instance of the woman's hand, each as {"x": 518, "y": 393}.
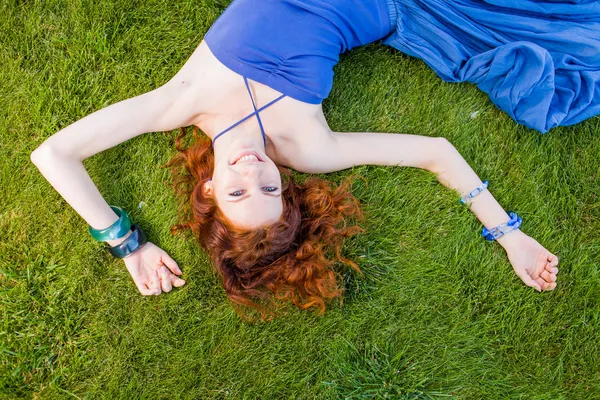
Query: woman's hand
{"x": 535, "y": 265}
{"x": 152, "y": 270}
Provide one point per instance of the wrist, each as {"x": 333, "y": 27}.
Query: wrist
{"x": 122, "y": 237}
{"x": 509, "y": 239}
{"x": 130, "y": 245}
{"x": 115, "y": 242}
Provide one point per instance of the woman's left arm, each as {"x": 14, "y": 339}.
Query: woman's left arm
{"x": 535, "y": 265}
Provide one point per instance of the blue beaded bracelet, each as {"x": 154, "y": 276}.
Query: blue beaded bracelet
{"x": 116, "y": 230}
{"x": 134, "y": 242}
{"x": 466, "y": 199}
{"x": 501, "y": 230}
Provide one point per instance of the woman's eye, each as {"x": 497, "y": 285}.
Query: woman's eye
{"x": 237, "y": 193}
{"x": 269, "y": 188}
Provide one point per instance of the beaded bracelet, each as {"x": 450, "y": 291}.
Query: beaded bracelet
{"x": 467, "y": 199}
{"x": 134, "y": 242}
{"x": 501, "y": 230}
{"x": 117, "y": 230}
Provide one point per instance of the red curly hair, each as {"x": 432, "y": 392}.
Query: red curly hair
{"x": 291, "y": 259}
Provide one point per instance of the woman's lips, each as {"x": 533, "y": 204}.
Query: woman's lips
{"x": 246, "y": 153}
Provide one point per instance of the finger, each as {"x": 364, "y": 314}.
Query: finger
{"x": 144, "y": 289}
{"x": 541, "y": 283}
{"x": 529, "y": 281}
{"x": 552, "y": 263}
{"x": 141, "y": 285}
{"x": 547, "y": 276}
{"x": 165, "y": 281}
{"x": 170, "y": 263}
{"x": 176, "y": 281}
{"x": 553, "y": 260}
{"x": 549, "y": 286}
{"x": 540, "y": 267}
{"x": 154, "y": 283}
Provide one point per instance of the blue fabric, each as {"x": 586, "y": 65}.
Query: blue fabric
{"x": 292, "y": 45}
{"x": 539, "y": 61}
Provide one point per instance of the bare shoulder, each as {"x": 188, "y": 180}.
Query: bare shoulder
{"x": 305, "y": 129}
{"x": 201, "y": 82}
{"x": 203, "y": 85}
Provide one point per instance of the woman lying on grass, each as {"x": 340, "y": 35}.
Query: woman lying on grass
{"x": 255, "y": 86}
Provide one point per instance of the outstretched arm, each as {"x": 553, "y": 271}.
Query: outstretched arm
{"x": 336, "y": 151}
{"x": 60, "y": 157}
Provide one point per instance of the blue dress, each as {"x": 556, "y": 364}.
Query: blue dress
{"x": 293, "y": 45}
{"x": 538, "y": 60}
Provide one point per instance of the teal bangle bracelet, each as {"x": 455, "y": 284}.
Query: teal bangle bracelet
{"x": 134, "y": 242}
{"x": 116, "y": 230}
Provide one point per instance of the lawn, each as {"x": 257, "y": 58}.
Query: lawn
{"x": 439, "y": 312}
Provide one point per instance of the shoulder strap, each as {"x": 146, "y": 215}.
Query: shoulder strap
{"x": 256, "y": 111}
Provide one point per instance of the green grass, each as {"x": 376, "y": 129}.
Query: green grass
{"x": 438, "y": 314}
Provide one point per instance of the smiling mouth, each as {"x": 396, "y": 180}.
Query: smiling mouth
{"x": 247, "y": 157}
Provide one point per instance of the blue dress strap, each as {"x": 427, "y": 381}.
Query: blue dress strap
{"x": 262, "y": 130}
{"x": 256, "y": 111}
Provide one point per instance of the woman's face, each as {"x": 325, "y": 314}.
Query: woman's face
{"x": 246, "y": 185}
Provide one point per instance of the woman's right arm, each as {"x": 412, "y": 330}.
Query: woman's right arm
{"x": 60, "y": 157}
